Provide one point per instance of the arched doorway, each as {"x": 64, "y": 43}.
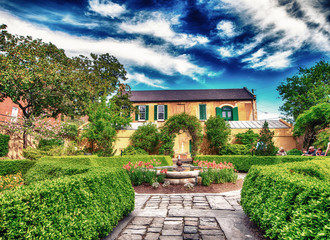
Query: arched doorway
{"x": 177, "y": 124}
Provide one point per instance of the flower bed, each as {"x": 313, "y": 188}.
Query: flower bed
{"x": 212, "y": 172}
{"x": 243, "y": 163}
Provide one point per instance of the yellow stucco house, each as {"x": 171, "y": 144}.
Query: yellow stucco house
{"x": 238, "y": 106}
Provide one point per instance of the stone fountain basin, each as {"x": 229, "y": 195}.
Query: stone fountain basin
{"x": 183, "y": 174}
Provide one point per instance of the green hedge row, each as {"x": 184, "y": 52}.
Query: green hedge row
{"x": 243, "y": 163}
{"x": 116, "y": 161}
{"x": 290, "y": 200}
{"x": 14, "y": 166}
{"x": 4, "y": 147}
{"x": 81, "y": 206}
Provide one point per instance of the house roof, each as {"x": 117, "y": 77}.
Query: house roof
{"x": 192, "y": 95}
{"x": 257, "y": 124}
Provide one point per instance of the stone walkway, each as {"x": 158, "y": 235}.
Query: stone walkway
{"x": 186, "y": 216}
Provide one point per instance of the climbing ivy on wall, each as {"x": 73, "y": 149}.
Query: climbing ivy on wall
{"x": 174, "y": 125}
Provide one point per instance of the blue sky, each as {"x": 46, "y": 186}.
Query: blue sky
{"x": 186, "y": 44}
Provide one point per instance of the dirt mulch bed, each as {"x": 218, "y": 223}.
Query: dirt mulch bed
{"x": 214, "y": 188}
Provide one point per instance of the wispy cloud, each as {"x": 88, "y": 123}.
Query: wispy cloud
{"x": 226, "y": 29}
{"x": 129, "y": 52}
{"x": 140, "y": 78}
{"x": 107, "y": 8}
{"x": 277, "y": 31}
{"x": 159, "y": 25}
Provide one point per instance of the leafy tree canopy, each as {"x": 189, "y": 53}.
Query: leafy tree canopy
{"x": 249, "y": 138}
{"x": 312, "y": 121}
{"x": 217, "y": 132}
{"x": 305, "y": 89}
{"x": 105, "y": 118}
{"x": 265, "y": 146}
{"x": 41, "y": 79}
{"x": 146, "y": 137}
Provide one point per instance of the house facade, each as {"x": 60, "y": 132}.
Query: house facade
{"x": 237, "y": 106}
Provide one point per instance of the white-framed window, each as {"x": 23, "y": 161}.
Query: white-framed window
{"x": 161, "y": 112}
{"x": 14, "y": 114}
{"x": 142, "y": 113}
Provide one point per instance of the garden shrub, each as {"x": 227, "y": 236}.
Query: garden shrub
{"x": 146, "y": 137}
{"x": 83, "y": 206}
{"x": 245, "y": 162}
{"x": 4, "y": 148}
{"x": 130, "y": 150}
{"x": 235, "y": 149}
{"x": 289, "y": 201}
{"x": 46, "y": 144}
{"x": 33, "y": 153}
{"x": 14, "y": 166}
{"x": 294, "y": 152}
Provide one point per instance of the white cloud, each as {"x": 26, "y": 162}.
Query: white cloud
{"x": 137, "y": 78}
{"x": 129, "y": 52}
{"x": 68, "y": 19}
{"x": 226, "y": 52}
{"x": 277, "y": 60}
{"x": 160, "y": 26}
{"x": 226, "y": 29}
{"x": 107, "y": 8}
{"x": 273, "y": 21}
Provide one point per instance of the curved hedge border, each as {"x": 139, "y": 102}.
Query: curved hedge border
{"x": 289, "y": 201}
{"x": 116, "y": 161}
{"x": 243, "y": 163}
{"x": 82, "y": 206}
{"x": 14, "y": 166}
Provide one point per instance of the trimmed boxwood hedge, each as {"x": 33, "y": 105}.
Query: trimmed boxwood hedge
{"x": 74, "y": 197}
{"x": 243, "y": 163}
{"x": 116, "y": 161}
{"x": 290, "y": 200}
{"x": 4, "y": 147}
{"x": 83, "y": 206}
{"x": 14, "y": 166}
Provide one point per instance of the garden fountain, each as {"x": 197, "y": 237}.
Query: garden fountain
{"x": 181, "y": 175}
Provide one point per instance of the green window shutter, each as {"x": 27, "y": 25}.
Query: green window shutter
{"x": 147, "y": 112}
{"x": 129, "y": 115}
{"x": 202, "y": 112}
{"x": 235, "y": 114}
{"x": 136, "y": 114}
{"x": 218, "y": 112}
{"x": 165, "y": 112}
{"x": 155, "y": 112}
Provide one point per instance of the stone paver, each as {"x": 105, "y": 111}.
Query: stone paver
{"x": 186, "y": 216}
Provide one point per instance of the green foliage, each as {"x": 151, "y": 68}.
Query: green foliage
{"x": 14, "y": 166}
{"x": 310, "y": 86}
{"x": 130, "y": 150}
{"x": 297, "y": 207}
{"x": 311, "y": 121}
{"x": 175, "y": 124}
{"x": 249, "y": 138}
{"x": 46, "y": 144}
{"x": 295, "y": 152}
{"x": 32, "y": 153}
{"x": 146, "y": 137}
{"x": 69, "y": 130}
{"x": 4, "y": 148}
{"x": 266, "y": 145}
{"x": 82, "y": 206}
{"x": 217, "y": 132}
{"x": 322, "y": 139}
{"x": 244, "y": 163}
{"x": 104, "y": 119}
{"x": 235, "y": 149}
